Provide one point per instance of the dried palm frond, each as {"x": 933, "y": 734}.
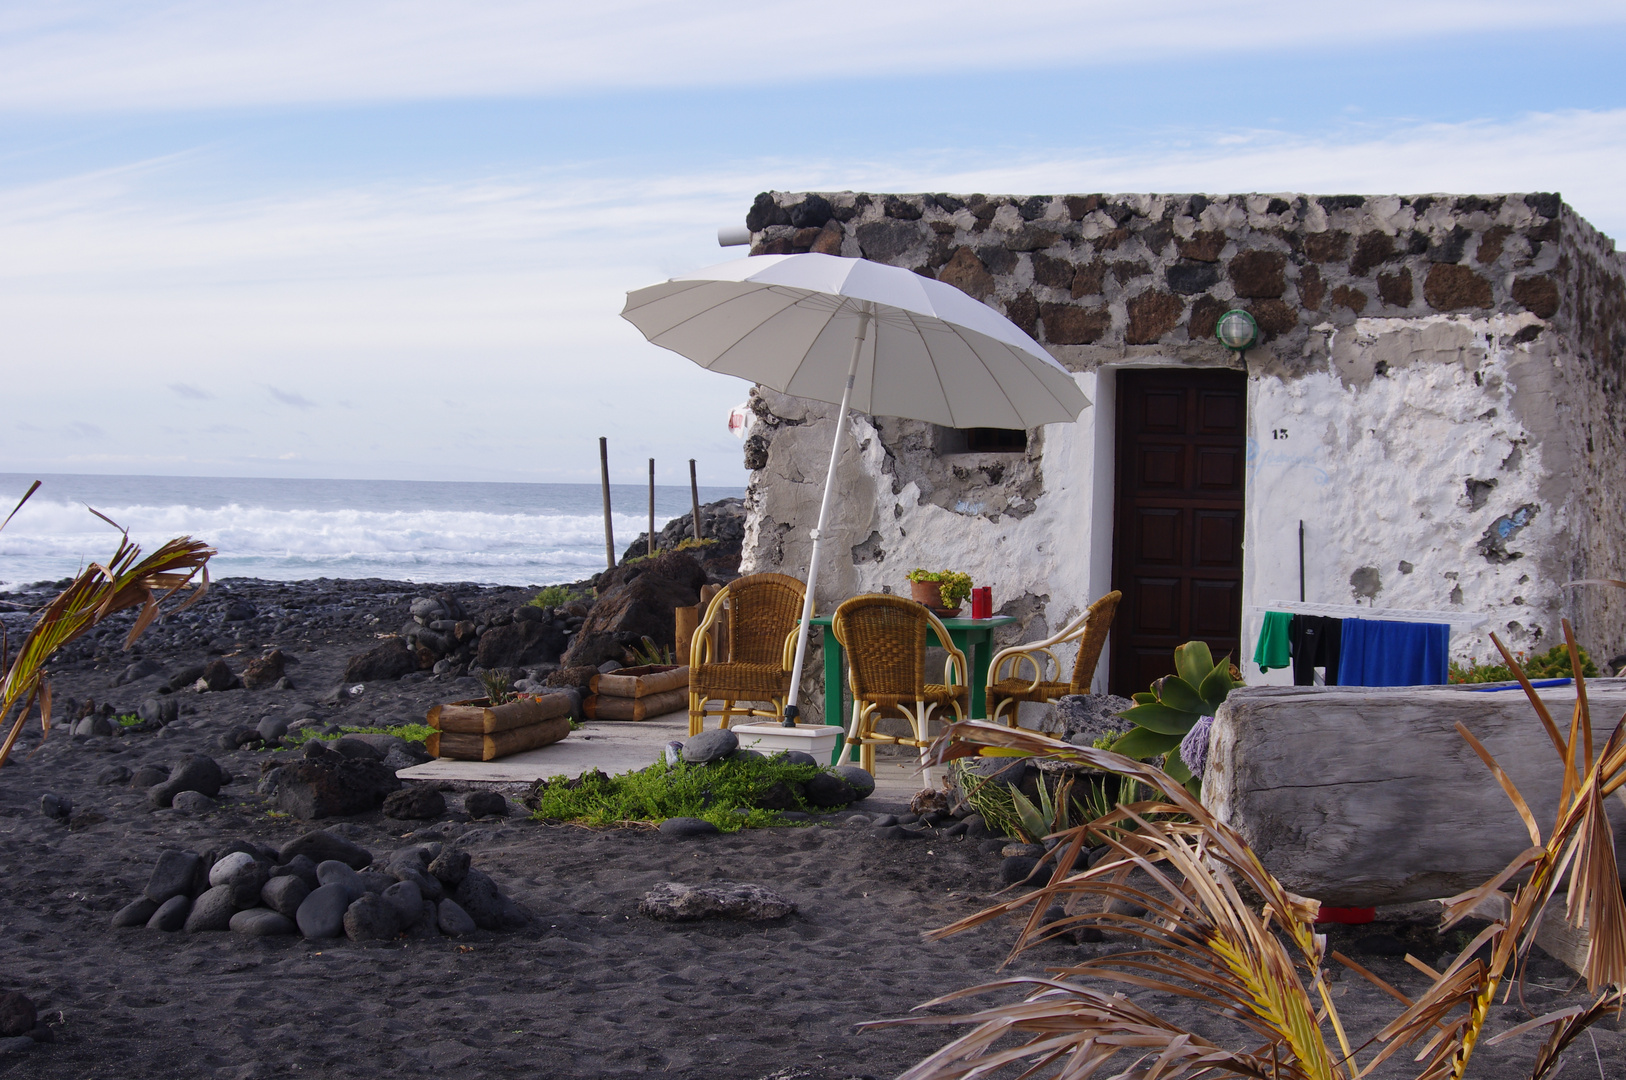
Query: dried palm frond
{"x": 1189, "y": 877}
{"x": 124, "y": 581}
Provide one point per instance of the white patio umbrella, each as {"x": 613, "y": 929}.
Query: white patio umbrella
{"x": 801, "y": 324}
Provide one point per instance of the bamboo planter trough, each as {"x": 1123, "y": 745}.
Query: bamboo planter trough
{"x": 476, "y": 730}
{"x": 638, "y": 693}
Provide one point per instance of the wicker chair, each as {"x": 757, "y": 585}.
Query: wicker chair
{"x": 762, "y": 612}
{"x": 1089, "y": 630}
{"x": 885, "y": 640}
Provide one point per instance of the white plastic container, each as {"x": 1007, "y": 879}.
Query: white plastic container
{"x": 816, "y": 739}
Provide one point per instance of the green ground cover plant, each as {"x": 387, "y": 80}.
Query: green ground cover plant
{"x": 410, "y": 732}
{"x": 1552, "y": 664}
{"x": 553, "y": 596}
{"x": 728, "y": 793}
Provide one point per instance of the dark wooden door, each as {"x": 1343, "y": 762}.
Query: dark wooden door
{"x": 1177, "y": 534}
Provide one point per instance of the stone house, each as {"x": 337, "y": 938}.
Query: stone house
{"x": 1436, "y": 396}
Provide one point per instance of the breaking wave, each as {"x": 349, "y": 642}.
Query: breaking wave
{"x": 51, "y": 538}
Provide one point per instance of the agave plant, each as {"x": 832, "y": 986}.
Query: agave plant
{"x": 1164, "y": 715}
{"x": 124, "y": 581}
{"x": 1195, "y": 884}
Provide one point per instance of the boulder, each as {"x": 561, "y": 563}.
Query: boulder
{"x": 485, "y": 804}
{"x": 671, "y": 901}
{"x": 265, "y": 671}
{"x": 406, "y": 900}
{"x": 321, "y": 914}
{"x": 370, "y": 918}
{"x": 171, "y": 914}
{"x": 284, "y": 894}
{"x": 862, "y": 783}
{"x": 17, "y": 1015}
{"x": 827, "y": 790}
{"x": 136, "y": 913}
{"x": 688, "y": 826}
{"x": 636, "y": 600}
{"x": 389, "y": 659}
{"x": 453, "y": 920}
{"x": 159, "y": 710}
{"x": 478, "y": 895}
{"x": 212, "y": 911}
{"x": 708, "y": 746}
{"x": 332, "y": 785}
{"x": 415, "y": 803}
{"x": 173, "y": 875}
{"x": 450, "y": 867}
{"x": 1087, "y": 717}
{"x": 262, "y": 922}
{"x": 217, "y": 676}
{"x": 319, "y": 846}
{"x": 194, "y": 772}
{"x": 521, "y": 643}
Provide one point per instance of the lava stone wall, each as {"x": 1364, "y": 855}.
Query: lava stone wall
{"x": 1134, "y": 271}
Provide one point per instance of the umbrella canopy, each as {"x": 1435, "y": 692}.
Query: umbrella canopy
{"x": 789, "y": 321}
{"x": 877, "y": 338}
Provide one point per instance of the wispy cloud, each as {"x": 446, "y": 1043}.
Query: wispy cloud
{"x": 190, "y": 392}
{"x": 131, "y": 56}
{"x": 434, "y": 307}
{"x": 291, "y": 397}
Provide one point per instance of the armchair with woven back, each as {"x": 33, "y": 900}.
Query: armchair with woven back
{"x": 743, "y": 649}
{"x": 885, "y": 639}
{"x": 1007, "y": 687}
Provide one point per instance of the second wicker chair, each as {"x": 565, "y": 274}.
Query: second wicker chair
{"x": 1089, "y": 630}
{"x": 885, "y": 640}
{"x": 763, "y": 611}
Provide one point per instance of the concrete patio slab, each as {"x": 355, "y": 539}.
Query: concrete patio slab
{"x": 616, "y": 747}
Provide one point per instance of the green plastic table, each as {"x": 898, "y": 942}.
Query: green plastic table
{"x": 974, "y": 637}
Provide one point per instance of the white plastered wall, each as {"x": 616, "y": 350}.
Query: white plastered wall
{"x": 1374, "y": 455}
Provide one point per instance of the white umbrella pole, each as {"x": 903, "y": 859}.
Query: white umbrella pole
{"x": 792, "y": 711}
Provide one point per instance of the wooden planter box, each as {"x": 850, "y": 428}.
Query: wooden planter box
{"x": 476, "y": 730}
{"x": 638, "y": 693}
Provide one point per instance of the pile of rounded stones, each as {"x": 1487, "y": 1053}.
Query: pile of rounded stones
{"x": 322, "y": 886}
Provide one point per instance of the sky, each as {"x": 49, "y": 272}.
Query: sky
{"x": 392, "y": 239}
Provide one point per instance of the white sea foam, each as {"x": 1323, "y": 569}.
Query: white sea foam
{"x": 51, "y": 539}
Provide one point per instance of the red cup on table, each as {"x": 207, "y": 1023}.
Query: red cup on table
{"x": 982, "y": 603}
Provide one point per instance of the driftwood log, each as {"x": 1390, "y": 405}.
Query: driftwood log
{"x": 1363, "y": 796}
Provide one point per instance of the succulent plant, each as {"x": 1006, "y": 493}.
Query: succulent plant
{"x": 1163, "y": 715}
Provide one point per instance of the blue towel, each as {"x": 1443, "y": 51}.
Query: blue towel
{"x": 1380, "y": 653}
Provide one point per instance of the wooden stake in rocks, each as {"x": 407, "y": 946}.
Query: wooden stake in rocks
{"x": 694, "y": 500}
{"x": 649, "y": 548}
{"x": 604, "y": 473}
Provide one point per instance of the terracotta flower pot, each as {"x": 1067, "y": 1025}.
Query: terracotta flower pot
{"x": 929, "y": 593}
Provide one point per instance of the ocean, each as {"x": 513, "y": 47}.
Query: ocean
{"x": 406, "y": 530}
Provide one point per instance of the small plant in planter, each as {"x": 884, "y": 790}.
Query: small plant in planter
{"x": 952, "y": 587}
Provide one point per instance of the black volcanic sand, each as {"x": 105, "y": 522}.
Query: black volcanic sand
{"x": 592, "y": 989}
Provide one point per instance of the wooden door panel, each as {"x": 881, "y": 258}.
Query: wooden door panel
{"x": 1218, "y": 536}
{"x": 1157, "y": 537}
{"x": 1220, "y": 412}
{"x": 1214, "y": 609}
{"x": 1163, "y": 411}
{"x": 1158, "y": 612}
{"x": 1178, "y": 524}
{"x": 1219, "y": 468}
{"x": 1163, "y": 466}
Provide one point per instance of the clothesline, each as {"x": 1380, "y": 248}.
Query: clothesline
{"x": 1465, "y": 620}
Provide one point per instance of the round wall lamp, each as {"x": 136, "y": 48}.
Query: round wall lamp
{"x": 1236, "y": 330}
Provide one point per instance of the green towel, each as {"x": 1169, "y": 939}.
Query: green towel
{"x": 1272, "y": 650}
